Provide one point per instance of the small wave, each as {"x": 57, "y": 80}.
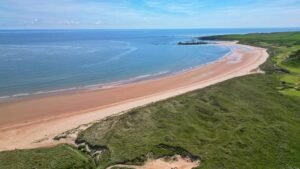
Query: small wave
{"x": 4, "y": 97}
{"x": 54, "y": 91}
{"x": 127, "y": 81}
{"x": 146, "y": 76}
{"x": 21, "y": 94}
{"x": 132, "y": 49}
{"x": 88, "y": 87}
{"x": 113, "y": 58}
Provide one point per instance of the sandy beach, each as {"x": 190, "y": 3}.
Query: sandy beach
{"x": 30, "y": 123}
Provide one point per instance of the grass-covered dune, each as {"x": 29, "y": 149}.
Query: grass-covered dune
{"x": 247, "y": 122}
{"x": 262, "y": 39}
{"x": 241, "y": 123}
{"x": 59, "y": 157}
{"x": 293, "y": 61}
{"x": 284, "y": 49}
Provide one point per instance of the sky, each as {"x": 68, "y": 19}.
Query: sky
{"x": 140, "y": 14}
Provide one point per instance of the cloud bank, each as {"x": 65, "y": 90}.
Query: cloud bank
{"x": 148, "y": 13}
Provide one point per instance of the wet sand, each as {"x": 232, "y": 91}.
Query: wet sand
{"x": 33, "y": 122}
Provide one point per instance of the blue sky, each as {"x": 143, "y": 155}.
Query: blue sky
{"x": 47, "y": 14}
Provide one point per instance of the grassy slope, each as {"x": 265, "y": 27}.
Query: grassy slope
{"x": 241, "y": 123}
{"x": 59, "y": 157}
{"x": 285, "y": 49}
{"x": 264, "y": 39}
{"x": 293, "y": 62}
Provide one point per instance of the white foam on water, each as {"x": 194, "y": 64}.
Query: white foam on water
{"x": 87, "y": 87}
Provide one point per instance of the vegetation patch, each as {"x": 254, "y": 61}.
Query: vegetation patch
{"x": 59, "y": 157}
{"x": 293, "y": 62}
{"x": 284, "y": 49}
{"x": 241, "y": 123}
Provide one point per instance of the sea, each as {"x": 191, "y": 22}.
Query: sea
{"x": 35, "y": 62}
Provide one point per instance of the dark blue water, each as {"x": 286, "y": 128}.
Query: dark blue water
{"x": 39, "y": 61}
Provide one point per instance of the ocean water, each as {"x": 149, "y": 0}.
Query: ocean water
{"x": 42, "y": 61}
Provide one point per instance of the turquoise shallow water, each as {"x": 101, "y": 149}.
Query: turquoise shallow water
{"x": 41, "y": 61}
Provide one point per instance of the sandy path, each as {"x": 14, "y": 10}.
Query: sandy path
{"x": 33, "y": 122}
{"x": 176, "y": 163}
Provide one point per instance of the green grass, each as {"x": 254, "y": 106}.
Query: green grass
{"x": 264, "y": 39}
{"x": 241, "y": 123}
{"x": 284, "y": 49}
{"x": 288, "y": 78}
{"x": 291, "y": 92}
{"x": 59, "y": 157}
{"x": 292, "y": 63}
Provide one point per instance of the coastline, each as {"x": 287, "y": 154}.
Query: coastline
{"x": 102, "y": 86}
{"x": 71, "y": 110}
{"x": 96, "y": 88}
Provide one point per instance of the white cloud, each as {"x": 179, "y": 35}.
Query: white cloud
{"x": 149, "y": 13}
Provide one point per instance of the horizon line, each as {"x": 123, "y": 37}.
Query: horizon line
{"x": 148, "y": 28}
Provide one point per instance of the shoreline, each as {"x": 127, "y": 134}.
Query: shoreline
{"x": 102, "y": 86}
{"x": 44, "y": 118}
{"x": 87, "y": 88}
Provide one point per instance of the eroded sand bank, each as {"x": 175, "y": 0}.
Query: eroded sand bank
{"x": 176, "y": 162}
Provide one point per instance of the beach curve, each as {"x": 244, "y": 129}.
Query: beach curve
{"x": 44, "y": 118}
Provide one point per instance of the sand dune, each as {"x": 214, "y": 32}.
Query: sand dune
{"x": 175, "y": 162}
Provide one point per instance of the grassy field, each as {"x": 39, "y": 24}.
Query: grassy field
{"x": 59, "y": 157}
{"x": 241, "y": 123}
{"x": 285, "y": 51}
{"x": 250, "y": 122}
